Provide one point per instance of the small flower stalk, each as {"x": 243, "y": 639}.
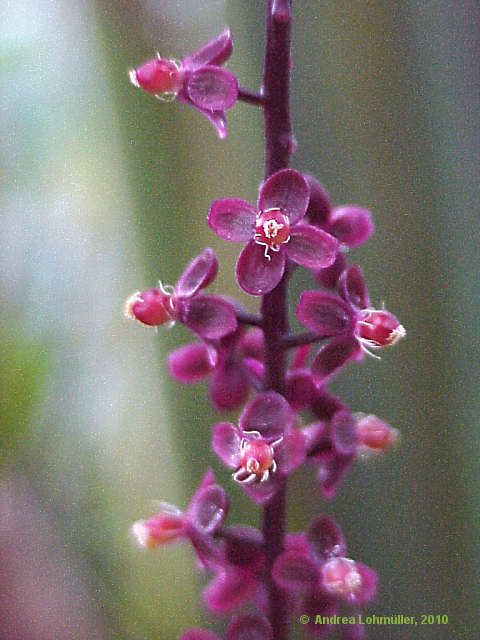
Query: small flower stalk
{"x": 289, "y": 419}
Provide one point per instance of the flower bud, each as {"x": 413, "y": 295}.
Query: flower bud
{"x": 152, "y": 307}
{"x": 378, "y": 328}
{"x": 374, "y": 435}
{"x": 158, "y": 76}
{"x": 161, "y": 528}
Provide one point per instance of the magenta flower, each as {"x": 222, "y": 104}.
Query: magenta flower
{"x": 351, "y": 225}
{"x": 315, "y": 569}
{"x": 206, "y": 511}
{"x": 223, "y": 361}
{"x": 210, "y": 317}
{"x": 349, "y": 319}
{"x": 274, "y": 232}
{"x": 198, "y": 80}
{"x": 263, "y": 448}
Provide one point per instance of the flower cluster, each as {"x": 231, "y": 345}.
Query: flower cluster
{"x": 286, "y": 426}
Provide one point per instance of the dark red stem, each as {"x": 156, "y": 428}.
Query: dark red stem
{"x": 278, "y": 148}
{"x": 251, "y": 97}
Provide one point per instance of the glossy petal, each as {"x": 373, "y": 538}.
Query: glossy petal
{"x": 342, "y": 429}
{"x": 201, "y": 271}
{"x": 199, "y": 634}
{"x": 269, "y": 414}
{"x": 351, "y": 225}
{"x": 226, "y": 443}
{"x": 331, "y": 472}
{"x": 232, "y": 219}
{"x": 285, "y": 190}
{"x": 325, "y": 538}
{"x": 217, "y": 51}
{"x": 217, "y": 118}
{"x": 212, "y": 88}
{"x": 255, "y": 273}
{"x": 249, "y": 627}
{"x": 294, "y": 572}
{"x": 311, "y": 247}
{"x": 209, "y": 508}
{"x": 353, "y": 289}
{"x": 332, "y": 357}
{"x": 326, "y": 314}
{"x": 300, "y": 390}
{"x": 229, "y": 386}
{"x": 209, "y": 317}
{"x": 291, "y": 452}
{"x": 319, "y": 206}
{"x": 263, "y": 492}
{"x": 229, "y": 589}
{"x": 192, "y": 362}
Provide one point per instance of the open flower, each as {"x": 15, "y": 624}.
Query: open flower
{"x": 198, "y": 80}
{"x": 350, "y": 320}
{"x": 315, "y": 569}
{"x": 263, "y": 448}
{"x": 210, "y": 317}
{"x": 274, "y": 232}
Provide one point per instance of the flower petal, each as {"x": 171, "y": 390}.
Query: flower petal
{"x": 217, "y": 117}
{"x": 331, "y": 472}
{"x": 263, "y": 492}
{"x": 342, "y": 428}
{"x": 285, "y": 190}
{"x": 209, "y": 508}
{"x": 269, "y": 414}
{"x": 232, "y": 219}
{"x": 319, "y": 206}
{"x": 249, "y": 627}
{"x": 192, "y": 362}
{"x": 291, "y": 452}
{"x": 229, "y": 589}
{"x": 201, "y": 271}
{"x": 226, "y": 441}
{"x": 255, "y": 273}
{"x": 294, "y": 572}
{"x": 210, "y": 317}
{"x": 217, "y": 51}
{"x": 300, "y": 391}
{"x": 351, "y": 225}
{"x": 333, "y": 356}
{"x": 244, "y": 546}
{"x": 353, "y": 289}
{"x": 326, "y": 314}
{"x": 212, "y": 88}
{"x": 325, "y": 538}
{"x": 311, "y": 247}
{"x": 229, "y": 386}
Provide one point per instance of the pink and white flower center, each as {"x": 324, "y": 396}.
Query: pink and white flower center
{"x": 272, "y": 229}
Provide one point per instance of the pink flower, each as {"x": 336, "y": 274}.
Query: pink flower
{"x": 210, "y": 317}
{"x": 274, "y": 232}
{"x": 263, "y": 448}
{"x": 198, "y": 80}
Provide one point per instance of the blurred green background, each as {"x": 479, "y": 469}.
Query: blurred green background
{"x": 104, "y": 190}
